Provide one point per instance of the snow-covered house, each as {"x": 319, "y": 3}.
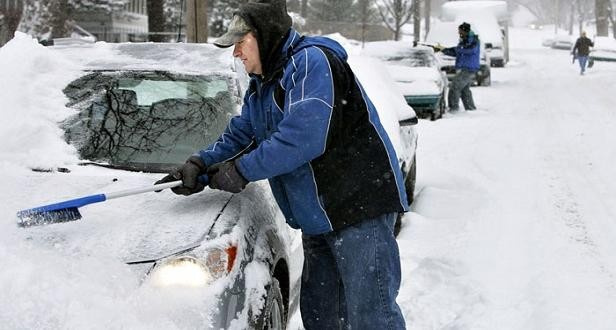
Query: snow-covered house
{"x": 130, "y": 24}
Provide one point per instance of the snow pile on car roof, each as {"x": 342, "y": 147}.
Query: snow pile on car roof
{"x": 32, "y": 104}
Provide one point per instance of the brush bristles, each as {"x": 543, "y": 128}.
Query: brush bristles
{"x": 31, "y": 218}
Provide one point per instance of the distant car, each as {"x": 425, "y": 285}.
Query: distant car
{"x": 562, "y": 41}
{"x": 142, "y": 109}
{"x": 604, "y": 50}
{"x": 417, "y": 72}
{"x": 547, "y": 42}
{"x": 445, "y": 33}
{"x": 496, "y": 53}
{"x": 398, "y": 118}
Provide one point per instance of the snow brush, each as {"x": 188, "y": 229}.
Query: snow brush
{"x": 68, "y": 210}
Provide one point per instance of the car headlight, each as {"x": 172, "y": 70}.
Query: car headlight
{"x": 190, "y": 271}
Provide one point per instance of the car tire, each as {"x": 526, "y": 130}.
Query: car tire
{"x": 273, "y": 314}
{"x": 443, "y": 106}
{"x": 487, "y": 81}
{"x": 409, "y": 186}
{"x": 439, "y": 110}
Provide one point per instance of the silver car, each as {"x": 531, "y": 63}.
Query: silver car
{"x": 139, "y": 111}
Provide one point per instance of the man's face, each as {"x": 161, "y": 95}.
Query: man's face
{"x": 462, "y": 33}
{"x": 247, "y": 50}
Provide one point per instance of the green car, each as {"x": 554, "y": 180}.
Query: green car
{"x": 421, "y": 81}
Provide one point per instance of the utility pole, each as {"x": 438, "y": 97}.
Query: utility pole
{"x": 196, "y": 21}
{"x": 427, "y": 14}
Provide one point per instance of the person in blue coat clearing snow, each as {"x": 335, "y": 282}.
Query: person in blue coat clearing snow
{"x": 309, "y": 128}
{"x": 467, "y": 65}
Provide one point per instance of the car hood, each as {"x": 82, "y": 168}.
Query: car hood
{"x": 408, "y": 74}
{"x": 132, "y": 228}
{"x": 416, "y": 80}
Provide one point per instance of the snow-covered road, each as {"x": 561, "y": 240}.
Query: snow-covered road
{"x": 514, "y": 224}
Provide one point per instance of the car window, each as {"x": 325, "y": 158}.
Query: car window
{"x": 146, "y": 118}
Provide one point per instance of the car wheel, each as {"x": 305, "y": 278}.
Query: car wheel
{"x": 443, "y": 106}
{"x": 487, "y": 81}
{"x": 273, "y": 315}
{"x": 409, "y": 186}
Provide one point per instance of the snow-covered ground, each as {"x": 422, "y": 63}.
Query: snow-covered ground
{"x": 513, "y": 225}
{"x": 514, "y": 222}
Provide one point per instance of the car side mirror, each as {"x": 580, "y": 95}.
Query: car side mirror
{"x": 409, "y": 121}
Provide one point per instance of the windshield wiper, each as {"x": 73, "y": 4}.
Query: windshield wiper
{"x": 136, "y": 167}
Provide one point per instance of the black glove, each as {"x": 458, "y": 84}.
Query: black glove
{"x": 189, "y": 174}
{"x": 224, "y": 176}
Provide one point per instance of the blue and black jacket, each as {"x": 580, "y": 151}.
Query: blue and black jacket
{"x": 314, "y": 133}
{"x": 466, "y": 52}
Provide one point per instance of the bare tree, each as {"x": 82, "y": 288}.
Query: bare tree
{"x": 304, "y": 9}
{"x": 365, "y": 15}
{"x": 602, "y": 17}
{"x": 544, "y": 10}
{"x": 10, "y": 15}
{"x": 332, "y": 10}
{"x": 395, "y": 13}
{"x": 612, "y": 19}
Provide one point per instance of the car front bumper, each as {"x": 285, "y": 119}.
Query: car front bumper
{"x": 424, "y": 103}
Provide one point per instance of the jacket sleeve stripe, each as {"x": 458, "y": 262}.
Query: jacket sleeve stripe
{"x": 316, "y": 193}
{"x": 305, "y": 74}
{"x": 311, "y": 99}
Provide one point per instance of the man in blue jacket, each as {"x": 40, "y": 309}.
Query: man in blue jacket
{"x": 467, "y": 65}
{"x": 308, "y": 127}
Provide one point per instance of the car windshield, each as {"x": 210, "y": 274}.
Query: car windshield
{"x": 149, "y": 121}
{"x": 415, "y": 58}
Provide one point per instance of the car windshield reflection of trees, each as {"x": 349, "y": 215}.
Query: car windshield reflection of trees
{"x": 146, "y": 121}
{"x": 413, "y": 59}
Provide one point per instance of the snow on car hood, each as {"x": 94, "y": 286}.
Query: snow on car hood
{"x": 145, "y": 226}
{"x": 74, "y": 275}
{"x": 416, "y": 80}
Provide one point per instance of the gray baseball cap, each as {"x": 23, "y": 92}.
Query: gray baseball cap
{"x": 236, "y": 31}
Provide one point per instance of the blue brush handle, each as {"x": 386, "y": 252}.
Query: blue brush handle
{"x": 72, "y": 203}
{"x": 81, "y": 201}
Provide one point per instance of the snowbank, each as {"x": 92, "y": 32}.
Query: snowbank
{"x": 30, "y": 136}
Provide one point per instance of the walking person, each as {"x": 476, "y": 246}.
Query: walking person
{"x": 308, "y": 127}
{"x": 581, "y": 50}
{"x": 467, "y": 65}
